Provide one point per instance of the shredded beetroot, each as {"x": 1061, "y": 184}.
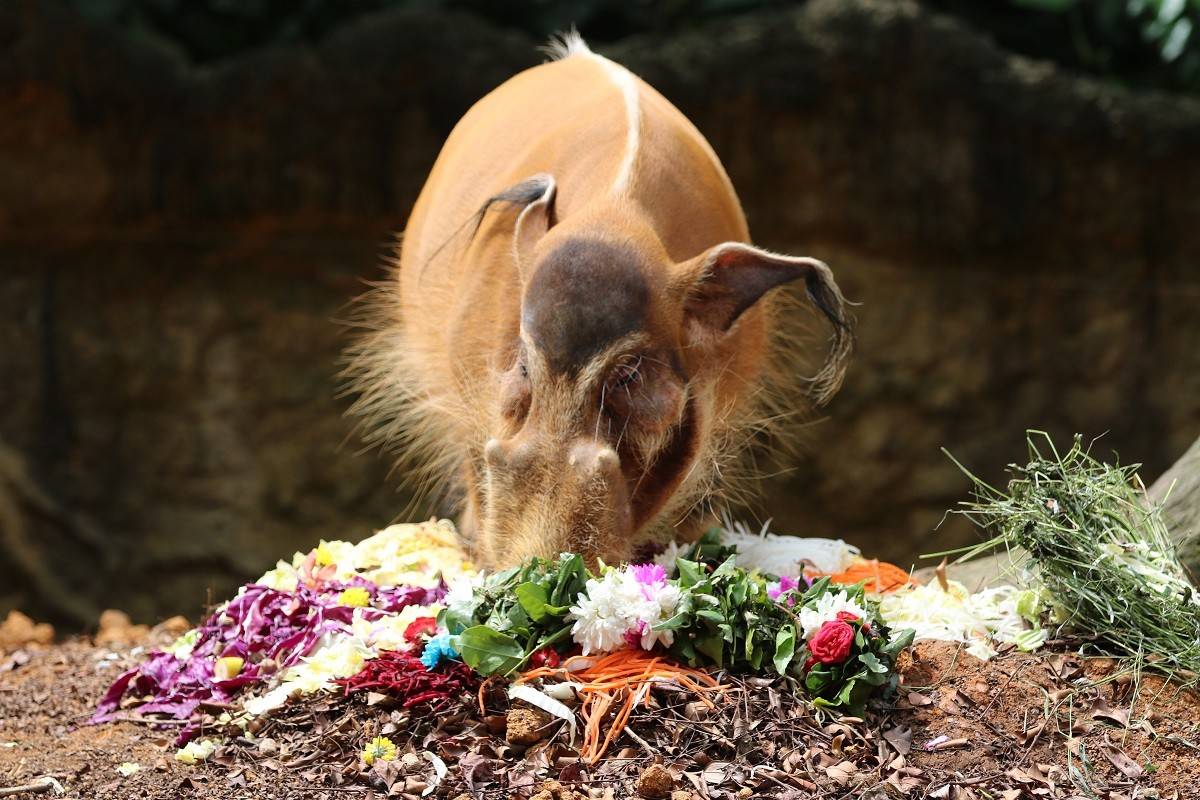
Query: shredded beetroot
{"x": 405, "y": 678}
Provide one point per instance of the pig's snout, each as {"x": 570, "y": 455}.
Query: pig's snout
{"x": 593, "y": 459}
{"x": 509, "y": 455}
{"x": 585, "y": 460}
{"x": 545, "y": 498}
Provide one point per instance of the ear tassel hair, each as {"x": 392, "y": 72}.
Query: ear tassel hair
{"x": 824, "y": 293}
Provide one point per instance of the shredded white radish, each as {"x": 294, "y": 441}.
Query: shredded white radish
{"x": 545, "y": 702}
{"x": 562, "y": 691}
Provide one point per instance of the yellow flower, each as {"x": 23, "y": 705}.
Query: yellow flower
{"x": 355, "y": 597}
{"x": 335, "y": 552}
{"x": 380, "y": 748}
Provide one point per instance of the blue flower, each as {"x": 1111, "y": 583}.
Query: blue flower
{"x": 437, "y": 650}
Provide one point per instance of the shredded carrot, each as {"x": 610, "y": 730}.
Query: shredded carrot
{"x": 880, "y": 576}
{"x": 619, "y": 679}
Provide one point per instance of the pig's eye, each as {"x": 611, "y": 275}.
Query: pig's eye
{"x": 515, "y": 393}
{"x": 626, "y": 374}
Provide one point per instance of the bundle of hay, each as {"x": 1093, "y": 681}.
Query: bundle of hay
{"x": 1109, "y": 571}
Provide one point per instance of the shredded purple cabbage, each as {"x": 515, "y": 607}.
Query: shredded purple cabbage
{"x": 270, "y": 629}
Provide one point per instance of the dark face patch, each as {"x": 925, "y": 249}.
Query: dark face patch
{"x": 584, "y": 296}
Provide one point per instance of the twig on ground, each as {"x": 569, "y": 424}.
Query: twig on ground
{"x": 40, "y": 786}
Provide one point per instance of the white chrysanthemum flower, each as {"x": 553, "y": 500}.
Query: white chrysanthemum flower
{"x": 663, "y": 608}
{"x": 827, "y": 609}
{"x": 460, "y": 598}
{"x": 666, "y": 559}
{"x": 600, "y": 614}
{"x": 618, "y": 610}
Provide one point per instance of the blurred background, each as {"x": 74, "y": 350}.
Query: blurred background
{"x": 192, "y": 190}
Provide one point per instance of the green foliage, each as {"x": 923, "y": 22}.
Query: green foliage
{"x": 1138, "y": 42}
{"x": 517, "y": 612}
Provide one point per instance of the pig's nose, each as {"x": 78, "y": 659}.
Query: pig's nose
{"x": 508, "y": 454}
{"x": 593, "y": 457}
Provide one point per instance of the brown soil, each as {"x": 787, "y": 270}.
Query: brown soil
{"x": 1020, "y": 726}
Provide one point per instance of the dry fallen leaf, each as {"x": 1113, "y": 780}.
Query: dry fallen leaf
{"x": 716, "y": 772}
{"x": 1128, "y": 767}
{"x": 841, "y": 773}
{"x": 1101, "y": 710}
{"x": 900, "y": 738}
{"x": 917, "y": 699}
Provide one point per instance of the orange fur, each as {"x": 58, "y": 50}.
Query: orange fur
{"x": 577, "y": 153}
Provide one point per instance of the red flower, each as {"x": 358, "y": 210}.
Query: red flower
{"x": 422, "y": 626}
{"x": 832, "y": 643}
{"x": 546, "y": 657}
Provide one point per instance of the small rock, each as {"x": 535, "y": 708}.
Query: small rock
{"x": 117, "y": 628}
{"x": 527, "y": 725}
{"x": 174, "y": 626}
{"x": 18, "y": 630}
{"x": 655, "y": 782}
{"x": 553, "y": 790}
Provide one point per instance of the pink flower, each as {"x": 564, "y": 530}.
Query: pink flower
{"x": 633, "y": 636}
{"x": 832, "y": 643}
{"x": 649, "y": 574}
{"x": 785, "y": 585}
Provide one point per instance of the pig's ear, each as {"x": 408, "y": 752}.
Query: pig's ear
{"x": 719, "y": 285}
{"x": 535, "y": 219}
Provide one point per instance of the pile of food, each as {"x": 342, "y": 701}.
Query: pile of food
{"x": 403, "y": 614}
{"x": 569, "y": 665}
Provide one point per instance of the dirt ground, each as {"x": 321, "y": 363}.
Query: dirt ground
{"x": 1020, "y": 726}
